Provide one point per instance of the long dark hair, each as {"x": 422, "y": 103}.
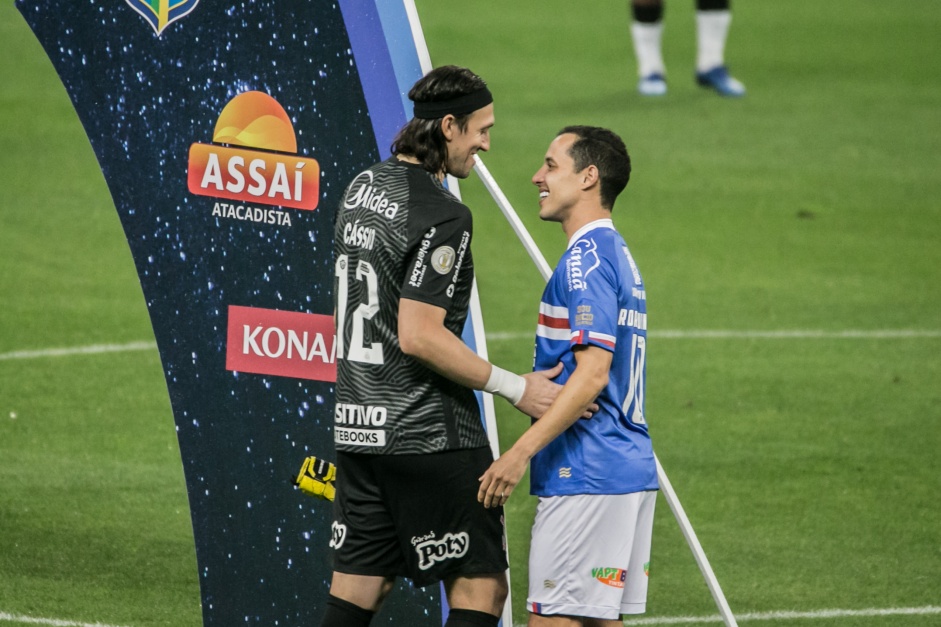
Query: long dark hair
{"x": 423, "y": 139}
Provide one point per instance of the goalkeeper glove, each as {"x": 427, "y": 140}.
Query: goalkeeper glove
{"x": 316, "y": 478}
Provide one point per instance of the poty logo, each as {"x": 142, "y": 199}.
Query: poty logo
{"x": 282, "y": 178}
{"x": 613, "y": 577}
{"x": 431, "y": 551}
{"x": 282, "y": 343}
{"x": 161, "y": 13}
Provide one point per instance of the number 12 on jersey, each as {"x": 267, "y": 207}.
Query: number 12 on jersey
{"x": 371, "y": 354}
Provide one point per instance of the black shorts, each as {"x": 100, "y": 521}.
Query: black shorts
{"x": 415, "y": 516}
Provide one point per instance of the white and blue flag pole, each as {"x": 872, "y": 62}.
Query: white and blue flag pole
{"x": 665, "y": 486}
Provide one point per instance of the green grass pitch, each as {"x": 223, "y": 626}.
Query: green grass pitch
{"x": 808, "y": 464}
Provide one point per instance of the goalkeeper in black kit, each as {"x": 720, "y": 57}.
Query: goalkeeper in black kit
{"x": 409, "y": 437}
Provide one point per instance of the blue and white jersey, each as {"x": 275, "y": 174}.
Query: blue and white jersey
{"x": 596, "y": 297}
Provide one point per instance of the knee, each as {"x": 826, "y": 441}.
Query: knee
{"x": 486, "y": 593}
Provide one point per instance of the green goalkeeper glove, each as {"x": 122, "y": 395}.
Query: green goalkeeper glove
{"x": 316, "y": 478}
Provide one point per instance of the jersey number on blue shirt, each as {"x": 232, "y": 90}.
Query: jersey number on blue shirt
{"x": 635, "y": 394}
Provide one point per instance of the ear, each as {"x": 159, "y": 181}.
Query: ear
{"x": 590, "y": 177}
{"x": 448, "y": 126}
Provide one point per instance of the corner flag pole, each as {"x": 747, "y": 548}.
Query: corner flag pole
{"x": 665, "y": 486}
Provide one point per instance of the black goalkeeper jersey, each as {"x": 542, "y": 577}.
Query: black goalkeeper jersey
{"x": 399, "y": 234}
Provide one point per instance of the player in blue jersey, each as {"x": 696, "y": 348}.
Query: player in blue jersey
{"x": 596, "y": 478}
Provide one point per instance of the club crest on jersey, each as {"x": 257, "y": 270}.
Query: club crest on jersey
{"x": 582, "y": 261}
{"x": 337, "y": 535}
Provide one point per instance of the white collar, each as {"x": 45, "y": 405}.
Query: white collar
{"x": 603, "y": 223}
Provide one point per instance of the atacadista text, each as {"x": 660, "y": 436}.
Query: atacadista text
{"x": 251, "y": 214}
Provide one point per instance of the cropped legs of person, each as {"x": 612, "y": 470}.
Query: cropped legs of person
{"x": 713, "y": 19}
{"x": 474, "y": 601}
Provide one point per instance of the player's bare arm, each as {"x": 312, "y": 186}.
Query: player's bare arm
{"x": 573, "y": 402}
{"x": 423, "y": 336}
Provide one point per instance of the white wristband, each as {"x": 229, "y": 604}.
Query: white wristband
{"x": 506, "y": 384}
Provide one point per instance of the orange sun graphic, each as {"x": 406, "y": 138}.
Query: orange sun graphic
{"x": 255, "y": 120}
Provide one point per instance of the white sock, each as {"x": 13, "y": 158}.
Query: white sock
{"x": 712, "y": 29}
{"x": 647, "y": 48}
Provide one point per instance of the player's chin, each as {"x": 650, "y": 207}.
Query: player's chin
{"x": 462, "y": 172}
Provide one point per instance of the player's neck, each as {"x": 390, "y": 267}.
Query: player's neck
{"x": 413, "y": 159}
{"x": 583, "y": 215}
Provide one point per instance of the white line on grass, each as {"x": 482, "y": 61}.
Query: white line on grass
{"x": 720, "y": 334}
{"x": 502, "y": 336}
{"x": 79, "y": 350}
{"x": 666, "y": 620}
{"x": 770, "y": 616}
{"x": 33, "y": 620}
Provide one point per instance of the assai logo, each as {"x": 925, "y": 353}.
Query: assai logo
{"x": 613, "y": 577}
{"x": 161, "y": 13}
{"x": 267, "y": 170}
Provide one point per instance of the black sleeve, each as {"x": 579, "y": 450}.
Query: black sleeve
{"x": 440, "y": 232}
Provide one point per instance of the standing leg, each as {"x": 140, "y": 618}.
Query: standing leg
{"x": 476, "y": 601}
{"x": 713, "y": 18}
{"x": 646, "y": 32}
{"x": 354, "y": 599}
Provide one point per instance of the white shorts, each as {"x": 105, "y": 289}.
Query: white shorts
{"x": 590, "y": 555}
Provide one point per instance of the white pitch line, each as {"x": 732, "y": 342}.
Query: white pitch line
{"x": 666, "y": 620}
{"x": 54, "y": 622}
{"x": 721, "y": 334}
{"x": 770, "y": 616}
{"x": 503, "y": 336}
{"x": 79, "y": 350}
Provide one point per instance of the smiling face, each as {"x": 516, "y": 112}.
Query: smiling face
{"x": 560, "y": 187}
{"x": 464, "y": 144}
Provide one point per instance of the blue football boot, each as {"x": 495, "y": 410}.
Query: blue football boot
{"x": 652, "y": 85}
{"x": 718, "y": 79}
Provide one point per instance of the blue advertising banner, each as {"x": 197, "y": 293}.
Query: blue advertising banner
{"x": 226, "y": 133}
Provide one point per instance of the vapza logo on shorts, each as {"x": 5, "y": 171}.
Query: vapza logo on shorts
{"x": 431, "y": 550}
{"x": 337, "y": 535}
{"x": 613, "y": 577}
